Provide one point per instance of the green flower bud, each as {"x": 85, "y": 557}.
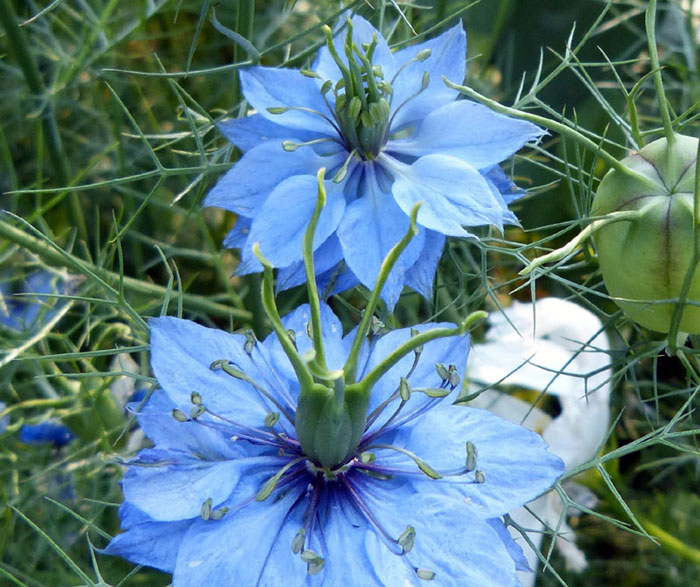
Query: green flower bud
{"x": 647, "y": 258}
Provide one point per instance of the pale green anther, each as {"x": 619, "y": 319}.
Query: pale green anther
{"x": 423, "y": 55}
{"x": 425, "y": 80}
{"x": 277, "y": 110}
{"x": 308, "y": 73}
{"x": 377, "y": 327}
{"x": 425, "y": 574}
{"x": 471, "y": 457}
{"x": 404, "y": 389}
{"x": 407, "y": 539}
{"x": 343, "y": 171}
{"x": 434, "y": 391}
{"x": 385, "y": 86}
{"x": 250, "y": 342}
{"x": 340, "y": 103}
{"x": 298, "y": 542}
{"x": 205, "y": 510}
{"x": 326, "y": 86}
{"x": 314, "y": 563}
{"x": 309, "y": 329}
{"x": 292, "y": 336}
{"x": 196, "y": 398}
{"x": 267, "y": 488}
{"x": 367, "y": 457}
{"x": 480, "y": 476}
{"x": 218, "y": 514}
{"x": 442, "y": 371}
{"x": 354, "y": 109}
{"x": 197, "y": 411}
{"x": 226, "y": 366}
{"x": 453, "y": 376}
{"x": 289, "y": 146}
{"x": 271, "y": 419}
{"x": 426, "y": 469}
{"x": 179, "y": 415}
{"x": 419, "y": 349}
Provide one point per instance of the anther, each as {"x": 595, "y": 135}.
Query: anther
{"x": 271, "y": 419}
{"x": 453, "y": 376}
{"x": 197, "y": 411}
{"x": 442, "y": 372}
{"x": 471, "y": 457}
{"x": 196, "y": 398}
{"x": 179, "y": 415}
{"x": 314, "y": 563}
{"x": 298, "y": 542}
{"x": 404, "y": 389}
{"x": 250, "y": 342}
{"x": 479, "y": 476}
{"x": 218, "y": 514}
{"x": 425, "y": 574}
{"x": 205, "y": 510}
{"x": 407, "y": 539}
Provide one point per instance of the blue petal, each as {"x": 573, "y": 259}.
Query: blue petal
{"x": 156, "y": 419}
{"x": 181, "y": 355}
{"x": 153, "y": 544}
{"x": 280, "y": 225}
{"x": 515, "y": 461}
{"x": 250, "y": 131}
{"x": 450, "y": 541}
{"x": 421, "y": 274}
{"x": 448, "y": 58}
{"x": 467, "y": 130}
{"x": 516, "y": 553}
{"x": 452, "y": 193}
{"x": 448, "y": 351}
{"x": 372, "y": 225}
{"x": 168, "y": 486}
{"x": 326, "y": 257}
{"x": 246, "y": 186}
{"x": 268, "y": 87}
{"x": 46, "y": 433}
{"x": 251, "y": 546}
{"x": 501, "y": 182}
{"x": 238, "y": 235}
{"x": 363, "y": 33}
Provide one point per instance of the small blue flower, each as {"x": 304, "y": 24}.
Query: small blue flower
{"x": 229, "y": 496}
{"x": 50, "y": 432}
{"x": 22, "y": 312}
{"x": 390, "y": 134}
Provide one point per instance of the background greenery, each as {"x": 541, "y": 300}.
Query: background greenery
{"x": 107, "y": 147}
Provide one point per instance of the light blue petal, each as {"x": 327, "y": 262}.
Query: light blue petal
{"x": 515, "y": 461}
{"x": 176, "y": 488}
{"x": 326, "y": 257}
{"x": 238, "y": 235}
{"x": 501, "y": 182}
{"x": 469, "y": 131}
{"x": 448, "y": 58}
{"x": 251, "y": 546}
{"x": 250, "y": 131}
{"x": 513, "y": 548}
{"x": 421, "y": 274}
{"x": 280, "y": 225}
{"x": 450, "y": 541}
{"x": 247, "y": 185}
{"x": 452, "y": 193}
{"x": 448, "y": 351}
{"x": 372, "y": 225}
{"x": 363, "y": 33}
{"x": 153, "y": 544}
{"x": 181, "y": 355}
{"x": 268, "y": 87}
{"x": 156, "y": 420}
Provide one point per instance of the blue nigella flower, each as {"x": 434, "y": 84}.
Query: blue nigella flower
{"x": 50, "y": 432}
{"x": 236, "y": 492}
{"x": 23, "y": 312}
{"x": 389, "y": 133}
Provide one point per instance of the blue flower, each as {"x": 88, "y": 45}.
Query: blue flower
{"x": 25, "y": 311}
{"x": 229, "y": 496}
{"x": 50, "y": 432}
{"x": 389, "y": 134}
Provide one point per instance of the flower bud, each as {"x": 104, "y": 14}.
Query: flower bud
{"x": 646, "y": 258}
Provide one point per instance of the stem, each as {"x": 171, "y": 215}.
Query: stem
{"x": 311, "y": 287}
{"x": 268, "y": 301}
{"x": 18, "y": 45}
{"x": 571, "y": 246}
{"x": 562, "y": 129}
{"x": 413, "y": 343}
{"x": 650, "y": 21}
{"x": 56, "y": 255}
{"x": 350, "y": 367}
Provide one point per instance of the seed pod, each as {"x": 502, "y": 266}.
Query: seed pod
{"x": 647, "y": 258}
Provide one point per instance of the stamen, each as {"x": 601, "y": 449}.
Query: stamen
{"x": 425, "y": 468}
{"x": 425, "y": 574}
{"x": 471, "y": 457}
{"x": 269, "y": 485}
{"x": 342, "y": 172}
{"x": 283, "y": 109}
{"x": 291, "y": 146}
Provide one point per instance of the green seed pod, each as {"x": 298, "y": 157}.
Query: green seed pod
{"x": 647, "y": 258}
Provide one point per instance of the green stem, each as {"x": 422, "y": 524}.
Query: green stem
{"x": 650, "y": 21}
{"x": 350, "y": 367}
{"x": 57, "y": 256}
{"x": 268, "y": 300}
{"x": 558, "y": 127}
{"x": 369, "y": 380}
{"x": 572, "y": 245}
{"x": 19, "y": 46}
{"x": 308, "y": 252}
